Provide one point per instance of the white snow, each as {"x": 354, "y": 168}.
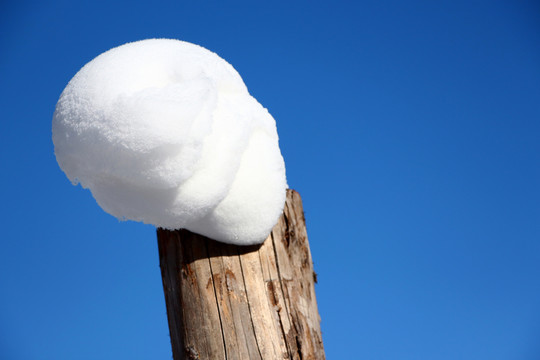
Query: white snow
{"x": 165, "y": 132}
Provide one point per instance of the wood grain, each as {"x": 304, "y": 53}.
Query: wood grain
{"x": 242, "y": 302}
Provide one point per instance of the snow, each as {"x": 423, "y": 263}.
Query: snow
{"x": 165, "y": 132}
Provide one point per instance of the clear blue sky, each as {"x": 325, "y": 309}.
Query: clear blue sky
{"x": 410, "y": 128}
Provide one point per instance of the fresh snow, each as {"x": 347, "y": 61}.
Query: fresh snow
{"x": 165, "y": 132}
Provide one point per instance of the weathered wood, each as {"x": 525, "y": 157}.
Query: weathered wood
{"x": 228, "y": 302}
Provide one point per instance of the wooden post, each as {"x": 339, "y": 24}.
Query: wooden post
{"x": 242, "y": 302}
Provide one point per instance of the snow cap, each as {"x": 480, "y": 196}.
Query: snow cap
{"x": 165, "y": 132}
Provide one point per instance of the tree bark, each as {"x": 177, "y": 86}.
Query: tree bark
{"x": 242, "y": 302}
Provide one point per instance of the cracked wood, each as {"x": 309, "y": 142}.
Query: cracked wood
{"x": 230, "y": 302}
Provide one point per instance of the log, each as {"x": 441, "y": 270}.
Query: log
{"x": 242, "y": 302}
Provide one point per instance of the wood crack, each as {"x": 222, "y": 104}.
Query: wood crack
{"x": 285, "y": 305}
{"x": 217, "y": 301}
{"x": 249, "y": 307}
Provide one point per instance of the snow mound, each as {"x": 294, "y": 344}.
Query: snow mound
{"x": 165, "y": 132}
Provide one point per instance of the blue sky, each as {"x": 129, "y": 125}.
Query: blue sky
{"x": 411, "y": 130}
